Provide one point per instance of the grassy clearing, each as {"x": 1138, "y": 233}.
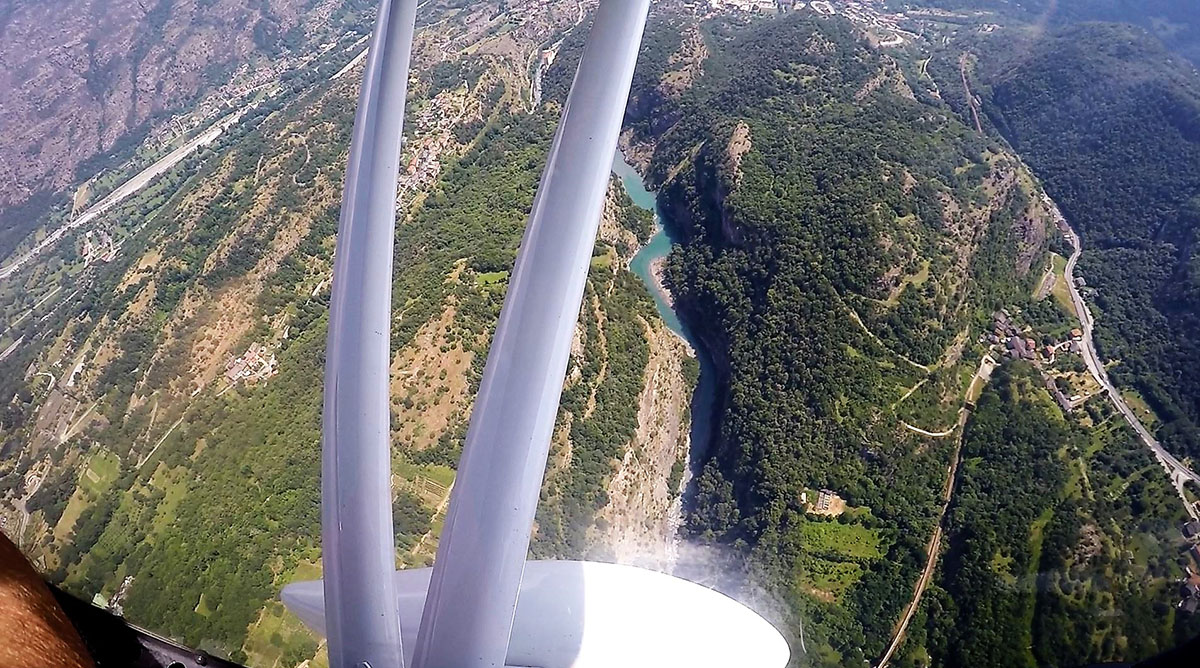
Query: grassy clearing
{"x": 835, "y": 557}
{"x": 75, "y": 507}
{"x": 976, "y": 389}
{"x": 1060, "y": 291}
{"x": 1036, "y": 538}
{"x": 278, "y": 639}
{"x": 1037, "y": 533}
{"x": 306, "y": 570}
{"x": 102, "y": 469}
{"x": 1140, "y": 408}
{"x": 430, "y": 483}
{"x": 967, "y": 379}
{"x": 829, "y": 579}
{"x": 173, "y": 482}
{"x": 911, "y": 280}
{"x": 603, "y": 261}
{"x": 1002, "y": 564}
{"x": 847, "y": 541}
{"x": 442, "y": 475}
{"x": 491, "y": 277}
{"x": 1192, "y": 491}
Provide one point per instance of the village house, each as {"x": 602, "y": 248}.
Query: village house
{"x": 824, "y": 498}
{"x": 1061, "y": 398}
{"x": 257, "y": 363}
{"x": 1191, "y": 529}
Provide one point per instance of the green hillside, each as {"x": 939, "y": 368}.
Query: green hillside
{"x": 1111, "y": 124}
{"x": 181, "y": 421}
{"x": 841, "y": 238}
{"x": 846, "y": 233}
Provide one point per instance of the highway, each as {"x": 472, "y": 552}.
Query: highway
{"x": 143, "y": 178}
{"x": 9, "y": 350}
{"x": 133, "y": 185}
{"x": 1175, "y": 468}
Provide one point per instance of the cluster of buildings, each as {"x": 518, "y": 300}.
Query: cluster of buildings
{"x": 1020, "y": 344}
{"x": 1022, "y": 348}
{"x": 750, "y": 5}
{"x": 435, "y": 134}
{"x": 869, "y": 12}
{"x": 241, "y": 86}
{"x": 221, "y": 101}
{"x": 257, "y": 363}
{"x": 1017, "y": 343}
{"x": 422, "y": 168}
{"x": 98, "y": 246}
{"x": 1189, "y": 590}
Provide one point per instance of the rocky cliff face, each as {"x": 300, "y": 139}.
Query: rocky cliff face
{"x": 80, "y": 78}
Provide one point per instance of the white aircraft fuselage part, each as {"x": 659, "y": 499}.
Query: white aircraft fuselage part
{"x": 358, "y": 547}
{"x": 580, "y": 614}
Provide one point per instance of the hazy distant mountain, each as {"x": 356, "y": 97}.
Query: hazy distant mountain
{"x": 1112, "y": 126}
{"x": 1175, "y": 22}
{"x": 81, "y": 78}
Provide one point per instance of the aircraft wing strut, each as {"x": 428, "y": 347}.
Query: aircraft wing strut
{"x": 480, "y": 606}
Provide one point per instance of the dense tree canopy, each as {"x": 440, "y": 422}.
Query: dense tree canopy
{"x": 1112, "y": 126}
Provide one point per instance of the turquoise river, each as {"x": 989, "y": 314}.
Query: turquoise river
{"x": 704, "y": 399}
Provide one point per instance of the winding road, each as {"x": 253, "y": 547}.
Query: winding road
{"x": 935, "y": 541}
{"x": 1175, "y": 468}
{"x": 924, "y": 432}
{"x": 34, "y": 483}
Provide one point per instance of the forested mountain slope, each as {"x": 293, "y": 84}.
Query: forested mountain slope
{"x": 1063, "y": 546}
{"x": 1111, "y": 124}
{"x": 1175, "y": 22}
{"x": 845, "y": 235}
{"x": 840, "y": 238}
